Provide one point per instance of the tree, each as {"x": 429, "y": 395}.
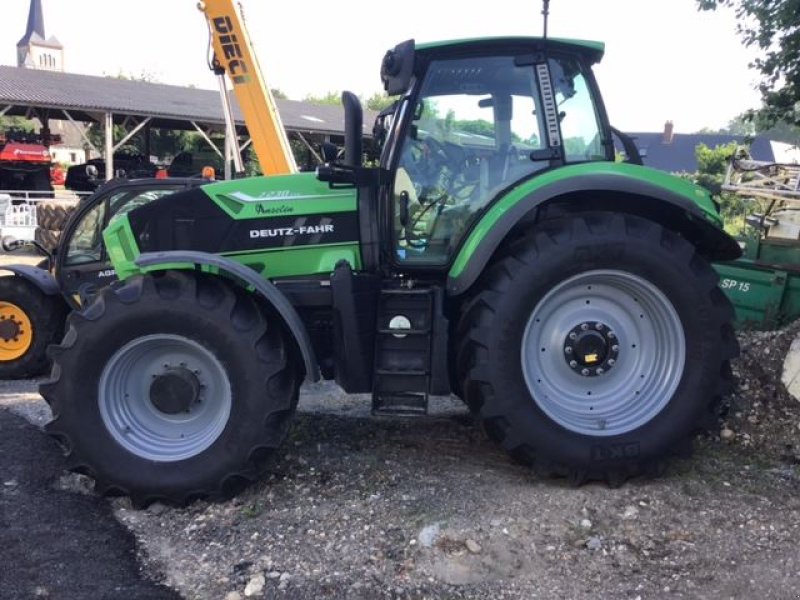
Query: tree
{"x": 379, "y": 101}
{"x": 711, "y": 166}
{"x": 740, "y": 125}
{"x": 331, "y": 98}
{"x": 779, "y": 131}
{"x": 164, "y": 143}
{"x": 772, "y": 27}
{"x": 751, "y": 124}
{"x": 18, "y": 123}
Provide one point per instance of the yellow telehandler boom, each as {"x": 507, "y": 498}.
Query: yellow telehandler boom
{"x": 233, "y": 55}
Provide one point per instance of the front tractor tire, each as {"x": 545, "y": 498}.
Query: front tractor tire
{"x": 596, "y": 347}
{"x": 30, "y": 320}
{"x": 172, "y": 387}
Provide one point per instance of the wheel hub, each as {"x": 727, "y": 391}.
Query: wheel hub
{"x": 175, "y": 391}
{"x": 16, "y": 332}
{"x": 9, "y": 329}
{"x": 591, "y": 349}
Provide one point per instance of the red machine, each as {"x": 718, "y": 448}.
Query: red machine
{"x": 24, "y": 163}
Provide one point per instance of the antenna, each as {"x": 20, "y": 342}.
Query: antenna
{"x": 545, "y": 13}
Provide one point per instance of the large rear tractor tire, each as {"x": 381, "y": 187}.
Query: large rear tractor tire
{"x": 597, "y": 347}
{"x": 53, "y": 215}
{"x": 172, "y": 387}
{"x": 47, "y": 238}
{"x": 30, "y": 320}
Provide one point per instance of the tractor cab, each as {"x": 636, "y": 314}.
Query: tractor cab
{"x": 474, "y": 119}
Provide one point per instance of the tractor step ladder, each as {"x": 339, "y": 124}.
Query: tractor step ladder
{"x": 403, "y": 352}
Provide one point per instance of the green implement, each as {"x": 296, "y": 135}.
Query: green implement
{"x": 764, "y": 284}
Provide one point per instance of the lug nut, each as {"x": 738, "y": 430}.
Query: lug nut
{"x": 599, "y": 327}
{"x": 585, "y": 372}
{"x": 600, "y": 371}
{"x": 615, "y": 348}
{"x": 568, "y": 350}
{"x": 611, "y": 362}
{"x": 584, "y": 326}
{"x": 573, "y": 363}
{"x": 612, "y": 335}
{"x": 573, "y": 336}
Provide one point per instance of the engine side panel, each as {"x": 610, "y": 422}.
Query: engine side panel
{"x": 279, "y": 226}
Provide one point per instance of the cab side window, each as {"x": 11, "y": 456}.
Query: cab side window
{"x": 86, "y": 244}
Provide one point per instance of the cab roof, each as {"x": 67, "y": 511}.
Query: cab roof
{"x": 591, "y": 50}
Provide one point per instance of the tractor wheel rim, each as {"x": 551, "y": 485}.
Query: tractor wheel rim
{"x": 16, "y": 330}
{"x": 646, "y": 364}
{"x": 147, "y": 426}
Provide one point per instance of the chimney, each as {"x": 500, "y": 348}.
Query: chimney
{"x": 668, "y": 132}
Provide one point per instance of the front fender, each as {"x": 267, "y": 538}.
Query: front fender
{"x": 262, "y": 286}
{"x": 676, "y": 203}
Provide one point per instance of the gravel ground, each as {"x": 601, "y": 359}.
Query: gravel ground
{"x": 360, "y": 507}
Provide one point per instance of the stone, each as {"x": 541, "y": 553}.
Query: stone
{"x": 233, "y": 596}
{"x": 473, "y": 546}
{"x": 428, "y": 535}
{"x": 586, "y": 524}
{"x": 255, "y": 586}
{"x": 727, "y": 434}
{"x": 791, "y": 369}
{"x": 631, "y": 512}
{"x": 594, "y": 543}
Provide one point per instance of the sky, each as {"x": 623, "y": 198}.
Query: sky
{"x": 664, "y": 60}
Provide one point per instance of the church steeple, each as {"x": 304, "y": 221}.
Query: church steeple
{"x": 35, "y": 30}
{"x": 34, "y": 50}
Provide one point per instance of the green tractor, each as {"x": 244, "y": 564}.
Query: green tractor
{"x": 498, "y": 253}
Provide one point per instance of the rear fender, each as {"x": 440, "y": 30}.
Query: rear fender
{"x": 612, "y": 191}
{"x": 175, "y": 259}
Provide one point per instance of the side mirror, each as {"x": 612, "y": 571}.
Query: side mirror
{"x": 329, "y": 152}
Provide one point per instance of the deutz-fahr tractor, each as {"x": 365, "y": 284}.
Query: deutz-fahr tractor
{"x": 497, "y": 251}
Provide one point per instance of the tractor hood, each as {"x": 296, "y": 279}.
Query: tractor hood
{"x": 298, "y": 194}
{"x": 285, "y": 216}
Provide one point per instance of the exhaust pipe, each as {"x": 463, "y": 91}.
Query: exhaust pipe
{"x": 353, "y": 124}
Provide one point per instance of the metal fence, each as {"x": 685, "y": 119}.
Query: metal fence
{"x": 19, "y": 209}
